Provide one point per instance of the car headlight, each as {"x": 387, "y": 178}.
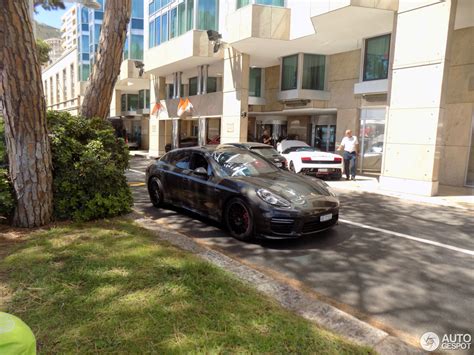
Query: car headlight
{"x": 272, "y": 199}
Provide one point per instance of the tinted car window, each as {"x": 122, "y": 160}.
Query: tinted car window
{"x": 199, "y": 161}
{"x": 241, "y": 163}
{"x": 180, "y": 159}
{"x": 266, "y": 152}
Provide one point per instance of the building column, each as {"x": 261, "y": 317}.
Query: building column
{"x": 178, "y": 84}
{"x": 414, "y": 123}
{"x": 205, "y": 69}
{"x": 235, "y": 96}
{"x": 199, "y": 79}
{"x": 175, "y": 133}
{"x": 156, "y": 131}
{"x": 202, "y": 131}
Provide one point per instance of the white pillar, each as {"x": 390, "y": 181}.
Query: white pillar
{"x": 199, "y": 79}
{"x": 413, "y": 142}
{"x": 205, "y": 69}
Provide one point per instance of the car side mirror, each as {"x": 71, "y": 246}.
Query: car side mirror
{"x": 201, "y": 172}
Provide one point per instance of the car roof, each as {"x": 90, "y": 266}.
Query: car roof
{"x": 247, "y": 145}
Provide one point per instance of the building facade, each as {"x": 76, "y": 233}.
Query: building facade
{"x": 398, "y": 73}
{"x": 66, "y": 79}
{"x": 56, "y": 51}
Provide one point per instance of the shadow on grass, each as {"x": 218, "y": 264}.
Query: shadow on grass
{"x": 109, "y": 287}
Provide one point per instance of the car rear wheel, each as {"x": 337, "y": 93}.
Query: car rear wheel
{"x": 239, "y": 219}
{"x": 292, "y": 167}
{"x": 156, "y": 196}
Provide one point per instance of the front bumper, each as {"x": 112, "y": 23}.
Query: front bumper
{"x": 289, "y": 225}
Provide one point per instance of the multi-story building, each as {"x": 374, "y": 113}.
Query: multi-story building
{"x": 399, "y": 73}
{"x": 69, "y": 28}
{"x": 66, "y": 79}
{"x": 56, "y": 51}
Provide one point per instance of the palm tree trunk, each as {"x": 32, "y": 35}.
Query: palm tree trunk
{"x": 26, "y": 134}
{"x": 98, "y": 95}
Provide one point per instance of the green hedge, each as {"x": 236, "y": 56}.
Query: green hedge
{"x": 89, "y": 165}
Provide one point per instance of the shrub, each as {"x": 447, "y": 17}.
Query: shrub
{"x": 89, "y": 165}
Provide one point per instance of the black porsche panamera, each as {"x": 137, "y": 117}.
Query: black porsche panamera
{"x": 244, "y": 191}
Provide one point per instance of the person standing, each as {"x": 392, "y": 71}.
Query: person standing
{"x": 350, "y": 145}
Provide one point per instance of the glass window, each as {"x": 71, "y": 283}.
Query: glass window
{"x": 289, "y": 72}
{"x": 151, "y": 7}
{"x": 207, "y": 15}
{"x": 181, "y": 159}
{"x": 190, "y": 15}
{"x": 132, "y": 102}
{"x": 377, "y": 53}
{"x": 141, "y": 99}
{"x": 85, "y": 56}
{"x": 255, "y": 83}
{"x": 147, "y": 98}
{"x": 242, "y": 163}
{"x": 136, "y": 49}
{"x": 271, "y": 2}
{"x": 193, "y": 86}
{"x": 181, "y": 18}
{"x": 313, "y": 71}
{"x": 164, "y": 28}
{"x": 85, "y": 27}
{"x": 170, "y": 91}
{"x": 173, "y": 22}
{"x": 164, "y": 3}
{"x": 125, "y": 49}
{"x": 123, "y": 102}
{"x": 211, "y": 84}
{"x": 137, "y": 8}
{"x": 157, "y": 31}
{"x": 137, "y": 24}
{"x": 84, "y": 43}
{"x": 85, "y": 69}
{"x": 151, "y": 34}
{"x": 97, "y": 29}
{"x": 242, "y": 3}
{"x": 84, "y": 16}
{"x": 98, "y": 15}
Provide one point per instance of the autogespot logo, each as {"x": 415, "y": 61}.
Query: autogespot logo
{"x": 429, "y": 341}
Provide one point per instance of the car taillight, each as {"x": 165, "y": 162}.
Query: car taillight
{"x": 337, "y": 160}
{"x": 305, "y": 159}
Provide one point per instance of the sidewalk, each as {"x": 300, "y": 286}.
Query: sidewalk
{"x": 450, "y": 196}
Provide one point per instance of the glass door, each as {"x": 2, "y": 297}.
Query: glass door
{"x": 325, "y": 138}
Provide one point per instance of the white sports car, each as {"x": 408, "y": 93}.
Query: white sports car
{"x": 307, "y": 160}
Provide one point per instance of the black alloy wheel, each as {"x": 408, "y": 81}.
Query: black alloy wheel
{"x": 156, "y": 196}
{"x": 239, "y": 219}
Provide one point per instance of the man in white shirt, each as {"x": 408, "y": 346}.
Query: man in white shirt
{"x": 350, "y": 144}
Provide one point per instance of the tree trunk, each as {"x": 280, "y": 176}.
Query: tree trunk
{"x": 26, "y": 134}
{"x": 98, "y": 95}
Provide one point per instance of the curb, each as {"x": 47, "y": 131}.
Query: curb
{"x": 290, "y": 298}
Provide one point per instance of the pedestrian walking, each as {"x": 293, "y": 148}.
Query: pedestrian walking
{"x": 350, "y": 145}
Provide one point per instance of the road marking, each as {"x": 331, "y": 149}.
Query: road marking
{"x": 406, "y": 236}
{"x": 136, "y": 171}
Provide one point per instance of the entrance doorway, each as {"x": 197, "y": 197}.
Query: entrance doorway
{"x": 324, "y": 138}
{"x": 371, "y": 139}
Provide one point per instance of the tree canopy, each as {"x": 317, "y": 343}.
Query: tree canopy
{"x": 43, "y": 49}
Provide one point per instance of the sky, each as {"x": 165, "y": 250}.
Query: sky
{"x": 51, "y": 18}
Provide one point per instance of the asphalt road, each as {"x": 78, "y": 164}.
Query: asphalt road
{"x": 402, "y": 266}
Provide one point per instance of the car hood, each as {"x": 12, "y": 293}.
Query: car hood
{"x": 301, "y": 191}
{"x": 315, "y": 155}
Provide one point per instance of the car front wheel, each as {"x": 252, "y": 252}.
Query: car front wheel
{"x": 239, "y": 219}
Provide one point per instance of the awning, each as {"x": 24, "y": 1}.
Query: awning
{"x": 296, "y": 112}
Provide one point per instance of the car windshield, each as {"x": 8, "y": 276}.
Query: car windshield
{"x": 241, "y": 163}
{"x": 300, "y": 149}
{"x": 266, "y": 152}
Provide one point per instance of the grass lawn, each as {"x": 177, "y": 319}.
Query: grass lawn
{"x": 112, "y": 287}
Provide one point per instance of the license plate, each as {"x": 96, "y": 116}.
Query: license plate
{"x": 322, "y": 170}
{"x": 279, "y": 165}
{"x": 326, "y": 217}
